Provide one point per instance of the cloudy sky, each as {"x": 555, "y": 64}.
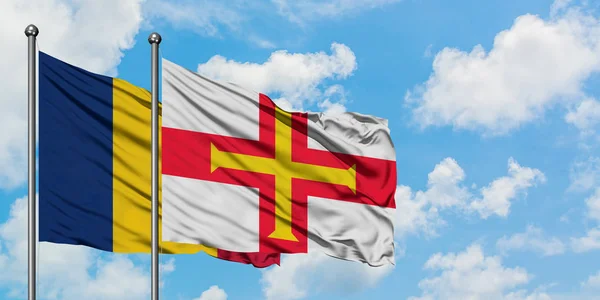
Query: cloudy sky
{"x": 493, "y": 107}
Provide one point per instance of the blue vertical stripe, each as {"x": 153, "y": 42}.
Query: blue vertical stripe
{"x": 75, "y": 155}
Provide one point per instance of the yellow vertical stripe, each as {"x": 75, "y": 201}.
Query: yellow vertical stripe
{"x": 131, "y": 174}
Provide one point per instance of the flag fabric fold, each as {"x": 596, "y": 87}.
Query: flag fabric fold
{"x": 94, "y": 165}
{"x": 241, "y": 174}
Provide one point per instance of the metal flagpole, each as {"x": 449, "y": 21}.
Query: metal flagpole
{"x": 31, "y": 32}
{"x": 154, "y": 39}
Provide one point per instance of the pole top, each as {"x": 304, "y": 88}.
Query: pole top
{"x": 31, "y": 30}
{"x": 154, "y": 38}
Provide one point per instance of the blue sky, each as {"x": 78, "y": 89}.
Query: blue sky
{"x": 492, "y": 107}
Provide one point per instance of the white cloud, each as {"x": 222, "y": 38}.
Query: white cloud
{"x": 301, "y": 11}
{"x": 335, "y": 99}
{"x": 593, "y": 205}
{"x": 593, "y": 282}
{"x": 332, "y": 108}
{"x": 67, "y": 271}
{"x": 524, "y": 295}
{"x": 213, "y": 18}
{"x": 443, "y": 185}
{"x": 261, "y": 42}
{"x": 585, "y": 117}
{"x": 585, "y": 174}
{"x": 203, "y": 17}
{"x": 591, "y": 241}
{"x": 301, "y": 274}
{"x": 497, "y": 195}
{"x": 532, "y": 66}
{"x": 168, "y": 267}
{"x": 297, "y": 77}
{"x": 587, "y": 243}
{"x": 533, "y": 239}
{"x": 415, "y": 214}
{"x": 118, "y": 278}
{"x": 472, "y": 275}
{"x": 420, "y": 211}
{"x": 74, "y": 31}
{"x": 559, "y": 6}
{"x": 213, "y": 293}
{"x": 427, "y": 53}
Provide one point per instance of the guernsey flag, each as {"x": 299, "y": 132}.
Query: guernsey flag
{"x": 241, "y": 174}
{"x": 94, "y": 165}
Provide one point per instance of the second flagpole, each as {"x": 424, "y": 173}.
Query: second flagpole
{"x": 154, "y": 39}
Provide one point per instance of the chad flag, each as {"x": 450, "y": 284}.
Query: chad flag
{"x": 94, "y": 165}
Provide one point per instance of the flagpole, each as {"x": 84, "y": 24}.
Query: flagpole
{"x": 154, "y": 39}
{"x": 31, "y": 32}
